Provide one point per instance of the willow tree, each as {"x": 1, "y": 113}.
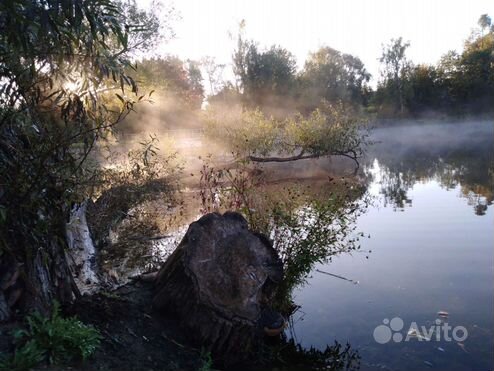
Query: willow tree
{"x": 327, "y": 131}
{"x": 59, "y": 64}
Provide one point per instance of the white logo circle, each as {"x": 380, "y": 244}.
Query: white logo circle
{"x": 383, "y": 334}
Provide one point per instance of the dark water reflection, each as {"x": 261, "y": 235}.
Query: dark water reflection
{"x": 454, "y": 155}
{"x": 432, "y": 243}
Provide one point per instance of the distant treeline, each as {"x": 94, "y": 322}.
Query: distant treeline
{"x": 460, "y": 83}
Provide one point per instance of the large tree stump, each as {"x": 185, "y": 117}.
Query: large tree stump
{"x": 219, "y": 281}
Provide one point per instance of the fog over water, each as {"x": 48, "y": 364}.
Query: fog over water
{"x": 431, "y": 242}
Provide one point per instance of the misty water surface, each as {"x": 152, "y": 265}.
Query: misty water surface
{"x": 432, "y": 242}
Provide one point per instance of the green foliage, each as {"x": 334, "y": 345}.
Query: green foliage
{"x": 327, "y": 131}
{"x": 269, "y": 73}
{"x": 137, "y": 166}
{"x": 55, "y": 339}
{"x": 305, "y": 228}
{"x": 60, "y": 65}
{"x": 24, "y": 358}
{"x": 265, "y": 77}
{"x": 60, "y": 339}
{"x": 311, "y": 233}
{"x": 207, "y": 361}
{"x": 268, "y": 78}
{"x": 334, "y": 77}
{"x": 422, "y": 93}
{"x": 394, "y": 59}
{"x": 244, "y": 132}
{"x": 146, "y": 28}
{"x": 395, "y": 69}
{"x": 459, "y": 83}
{"x": 173, "y": 77}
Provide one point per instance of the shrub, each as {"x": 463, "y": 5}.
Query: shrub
{"x": 307, "y": 226}
{"x": 24, "y": 358}
{"x": 53, "y": 338}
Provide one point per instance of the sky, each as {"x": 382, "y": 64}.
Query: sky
{"x": 357, "y": 27}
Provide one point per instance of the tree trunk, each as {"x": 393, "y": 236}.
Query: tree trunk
{"x": 219, "y": 281}
{"x": 34, "y": 270}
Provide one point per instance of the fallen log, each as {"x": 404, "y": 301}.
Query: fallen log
{"x": 220, "y": 281}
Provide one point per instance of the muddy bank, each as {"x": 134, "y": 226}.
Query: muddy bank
{"x": 134, "y": 337}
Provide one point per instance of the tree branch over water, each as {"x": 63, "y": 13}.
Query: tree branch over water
{"x": 327, "y": 131}
{"x": 301, "y": 156}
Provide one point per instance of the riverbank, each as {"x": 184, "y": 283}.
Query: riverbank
{"x": 134, "y": 337}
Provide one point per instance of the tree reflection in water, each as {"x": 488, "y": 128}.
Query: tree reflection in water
{"x": 454, "y": 155}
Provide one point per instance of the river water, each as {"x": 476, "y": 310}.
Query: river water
{"x": 432, "y": 251}
{"x": 425, "y": 270}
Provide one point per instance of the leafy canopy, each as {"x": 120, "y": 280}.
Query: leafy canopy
{"x": 329, "y": 130}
